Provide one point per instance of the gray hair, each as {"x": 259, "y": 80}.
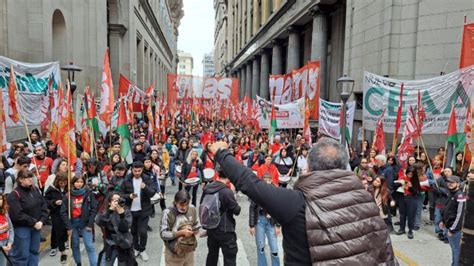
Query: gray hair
{"x": 327, "y": 154}
{"x": 381, "y": 157}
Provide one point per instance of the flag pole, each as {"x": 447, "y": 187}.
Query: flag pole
{"x": 23, "y": 118}
{"x": 69, "y": 182}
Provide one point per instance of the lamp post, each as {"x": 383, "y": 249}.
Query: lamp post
{"x": 71, "y": 69}
{"x": 346, "y": 85}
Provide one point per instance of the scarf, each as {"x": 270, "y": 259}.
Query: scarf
{"x": 78, "y": 192}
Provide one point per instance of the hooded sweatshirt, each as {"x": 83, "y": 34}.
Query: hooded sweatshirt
{"x": 229, "y": 206}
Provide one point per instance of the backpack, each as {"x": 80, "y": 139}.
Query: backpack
{"x": 209, "y": 211}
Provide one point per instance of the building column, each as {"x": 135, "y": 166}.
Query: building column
{"x": 293, "y": 59}
{"x": 256, "y": 17}
{"x": 243, "y": 81}
{"x": 265, "y": 11}
{"x": 276, "y": 4}
{"x": 255, "y": 77}
{"x": 276, "y": 58}
{"x": 249, "y": 20}
{"x": 237, "y": 76}
{"x": 264, "y": 74}
{"x": 319, "y": 47}
{"x": 248, "y": 80}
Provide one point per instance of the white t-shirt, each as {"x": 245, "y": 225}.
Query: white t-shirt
{"x": 302, "y": 164}
{"x": 136, "y": 203}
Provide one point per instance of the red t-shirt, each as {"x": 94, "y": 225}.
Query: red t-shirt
{"x": 275, "y": 147}
{"x": 44, "y": 168}
{"x": 4, "y": 226}
{"x": 272, "y": 170}
{"x": 77, "y": 206}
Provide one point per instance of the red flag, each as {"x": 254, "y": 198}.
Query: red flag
{"x": 467, "y": 132}
{"x": 379, "y": 138}
{"x": 467, "y": 47}
{"x": 106, "y": 92}
{"x": 67, "y": 137}
{"x": 3, "y": 126}
{"x": 421, "y": 113}
{"x": 59, "y": 101}
{"x": 149, "y": 112}
{"x": 12, "y": 90}
{"x": 411, "y": 131}
{"x": 306, "y": 127}
{"x": 399, "y": 112}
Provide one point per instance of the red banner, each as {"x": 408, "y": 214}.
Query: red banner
{"x": 467, "y": 48}
{"x": 186, "y": 86}
{"x": 297, "y": 84}
{"x": 133, "y": 93}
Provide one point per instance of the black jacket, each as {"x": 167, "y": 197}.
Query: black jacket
{"x": 110, "y": 221}
{"x": 453, "y": 214}
{"x": 27, "y": 206}
{"x": 255, "y": 211}
{"x": 181, "y": 155}
{"x": 441, "y": 192}
{"x": 88, "y": 210}
{"x": 286, "y": 206}
{"x": 52, "y": 195}
{"x": 145, "y": 195}
{"x": 229, "y": 206}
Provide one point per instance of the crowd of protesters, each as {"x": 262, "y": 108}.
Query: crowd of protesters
{"x": 103, "y": 195}
{"x": 423, "y": 184}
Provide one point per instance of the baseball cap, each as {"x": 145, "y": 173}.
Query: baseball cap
{"x": 453, "y": 179}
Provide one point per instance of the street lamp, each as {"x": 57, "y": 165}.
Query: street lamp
{"x": 345, "y": 84}
{"x": 71, "y": 68}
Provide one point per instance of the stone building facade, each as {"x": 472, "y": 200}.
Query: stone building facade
{"x": 185, "y": 63}
{"x": 141, "y": 36}
{"x": 256, "y": 38}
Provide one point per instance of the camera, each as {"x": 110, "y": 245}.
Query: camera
{"x": 122, "y": 202}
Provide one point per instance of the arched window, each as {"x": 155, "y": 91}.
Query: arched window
{"x": 59, "y": 37}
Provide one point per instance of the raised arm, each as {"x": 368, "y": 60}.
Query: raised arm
{"x": 276, "y": 201}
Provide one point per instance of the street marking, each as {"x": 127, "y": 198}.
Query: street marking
{"x": 242, "y": 259}
{"x": 162, "y": 260}
{"x": 404, "y": 258}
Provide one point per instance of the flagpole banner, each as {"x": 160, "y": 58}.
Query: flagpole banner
{"x": 32, "y": 82}
{"x": 299, "y": 83}
{"x": 290, "y": 115}
{"x": 187, "y": 86}
{"x": 330, "y": 117}
{"x": 438, "y": 95}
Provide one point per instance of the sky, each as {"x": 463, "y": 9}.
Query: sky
{"x": 196, "y": 32}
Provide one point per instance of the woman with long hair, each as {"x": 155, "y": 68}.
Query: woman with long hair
{"x": 7, "y": 234}
{"x": 116, "y": 221}
{"x": 410, "y": 184}
{"x": 383, "y": 199}
{"x": 54, "y": 197}
{"x": 80, "y": 204}
{"x": 284, "y": 164}
{"x": 462, "y": 166}
{"x": 371, "y": 158}
{"x": 192, "y": 168}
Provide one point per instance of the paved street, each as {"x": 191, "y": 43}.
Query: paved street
{"x": 424, "y": 249}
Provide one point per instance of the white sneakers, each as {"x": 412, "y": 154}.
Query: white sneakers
{"x": 144, "y": 256}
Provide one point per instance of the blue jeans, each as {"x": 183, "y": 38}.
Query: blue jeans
{"x": 77, "y": 228}
{"x": 264, "y": 227}
{"x": 437, "y": 219}
{"x": 25, "y": 249}
{"x": 171, "y": 171}
{"x": 455, "y": 243}
{"x": 419, "y": 209}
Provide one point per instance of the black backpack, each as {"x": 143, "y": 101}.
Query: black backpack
{"x": 209, "y": 211}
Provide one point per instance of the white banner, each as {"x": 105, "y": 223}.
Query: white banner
{"x": 438, "y": 95}
{"x": 32, "y": 81}
{"x": 290, "y": 115}
{"x": 330, "y": 117}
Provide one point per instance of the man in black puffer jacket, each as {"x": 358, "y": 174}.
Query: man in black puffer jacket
{"x": 224, "y": 235}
